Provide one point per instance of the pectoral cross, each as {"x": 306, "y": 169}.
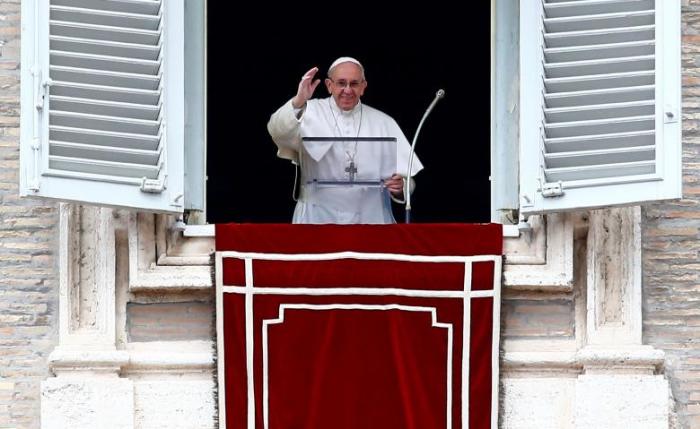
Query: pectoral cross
{"x": 351, "y": 170}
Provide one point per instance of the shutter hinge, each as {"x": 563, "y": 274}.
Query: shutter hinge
{"x": 152, "y": 186}
{"x": 43, "y": 94}
{"x": 551, "y": 190}
{"x": 40, "y": 97}
{"x": 33, "y": 183}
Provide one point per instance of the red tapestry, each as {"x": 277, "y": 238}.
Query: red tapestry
{"x": 358, "y": 326}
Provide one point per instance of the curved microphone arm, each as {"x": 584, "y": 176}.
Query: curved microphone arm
{"x": 440, "y": 94}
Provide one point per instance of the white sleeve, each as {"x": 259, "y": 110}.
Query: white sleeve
{"x": 403, "y": 152}
{"x": 283, "y": 127}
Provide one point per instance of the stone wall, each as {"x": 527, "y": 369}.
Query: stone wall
{"x": 28, "y": 261}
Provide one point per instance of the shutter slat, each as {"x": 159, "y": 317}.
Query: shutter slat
{"x": 605, "y": 171}
{"x": 601, "y": 66}
{"x": 105, "y": 93}
{"x": 596, "y": 37}
{"x": 146, "y": 7}
{"x": 600, "y": 126}
{"x": 599, "y": 22}
{"x": 596, "y": 52}
{"x": 105, "y": 78}
{"x": 597, "y": 82}
{"x": 105, "y": 17}
{"x": 104, "y": 153}
{"x": 122, "y": 110}
{"x": 107, "y": 138}
{"x": 104, "y": 32}
{"x": 601, "y": 156}
{"x": 600, "y": 111}
{"x": 103, "y": 167}
{"x": 104, "y": 62}
{"x": 599, "y": 96}
{"x": 104, "y": 123}
{"x": 599, "y": 141}
{"x": 594, "y": 7}
{"x": 104, "y": 48}
{"x": 80, "y": 176}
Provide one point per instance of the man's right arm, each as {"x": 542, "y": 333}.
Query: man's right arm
{"x": 284, "y": 129}
{"x": 285, "y": 122}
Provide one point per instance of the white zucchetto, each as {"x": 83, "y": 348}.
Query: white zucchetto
{"x": 345, "y": 60}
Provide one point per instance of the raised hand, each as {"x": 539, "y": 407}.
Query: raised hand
{"x": 306, "y": 89}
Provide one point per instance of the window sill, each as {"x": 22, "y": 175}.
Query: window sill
{"x": 510, "y": 231}
{"x": 199, "y": 231}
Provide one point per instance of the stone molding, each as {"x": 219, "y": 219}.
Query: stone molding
{"x": 541, "y": 259}
{"x": 162, "y": 260}
{"x": 614, "y": 277}
{"x": 86, "y": 277}
{"x": 640, "y": 359}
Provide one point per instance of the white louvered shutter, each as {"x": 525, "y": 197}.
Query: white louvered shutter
{"x": 600, "y": 103}
{"x": 103, "y": 102}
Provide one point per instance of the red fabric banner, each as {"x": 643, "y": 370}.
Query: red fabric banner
{"x": 399, "y": 333}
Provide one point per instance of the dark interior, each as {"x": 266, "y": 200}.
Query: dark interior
{"x": 407, "y": 59}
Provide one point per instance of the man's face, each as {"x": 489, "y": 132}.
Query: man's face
{"x": 346, "y": 85}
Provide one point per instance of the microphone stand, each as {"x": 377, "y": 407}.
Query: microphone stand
{"x": 440, "y": 94}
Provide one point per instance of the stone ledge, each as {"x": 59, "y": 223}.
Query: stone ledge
{"x": 140, "y": 357}
{"x": 173, "y": 278}
{"x": 65, "y": 360}
{"x": 199, "y": 231}
{"x": 631, "y": 357}
{"x": 590, "y": 359}
{"x": 159, "y": 356}
{"x": 525, "y": 361}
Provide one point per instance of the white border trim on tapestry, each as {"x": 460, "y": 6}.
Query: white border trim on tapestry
{"x": 321, "y": 307}
{"x": 249, "y": 290}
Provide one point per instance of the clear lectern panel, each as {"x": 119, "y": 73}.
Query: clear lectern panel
{"x": 350, "y": 160}
{"x": 346, "y": 177}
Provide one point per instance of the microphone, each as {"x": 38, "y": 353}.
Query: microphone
{"x": 438, "y": 95}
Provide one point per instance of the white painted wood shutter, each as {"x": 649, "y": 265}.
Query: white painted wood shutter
{"x": 102, "y": 117}
{"x": 600, "y": 120}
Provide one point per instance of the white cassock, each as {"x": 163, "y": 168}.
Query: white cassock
{"x": 341, "y": 204}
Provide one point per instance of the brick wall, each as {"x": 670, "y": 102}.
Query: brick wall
{"x": 671, "y": 240}
{"x": 28, "y": 249}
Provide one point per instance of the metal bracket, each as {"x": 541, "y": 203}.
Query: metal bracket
{"x": 552, "y": 190}
{"x": 152, "y": 186}
{"x": 670, "y": 114}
